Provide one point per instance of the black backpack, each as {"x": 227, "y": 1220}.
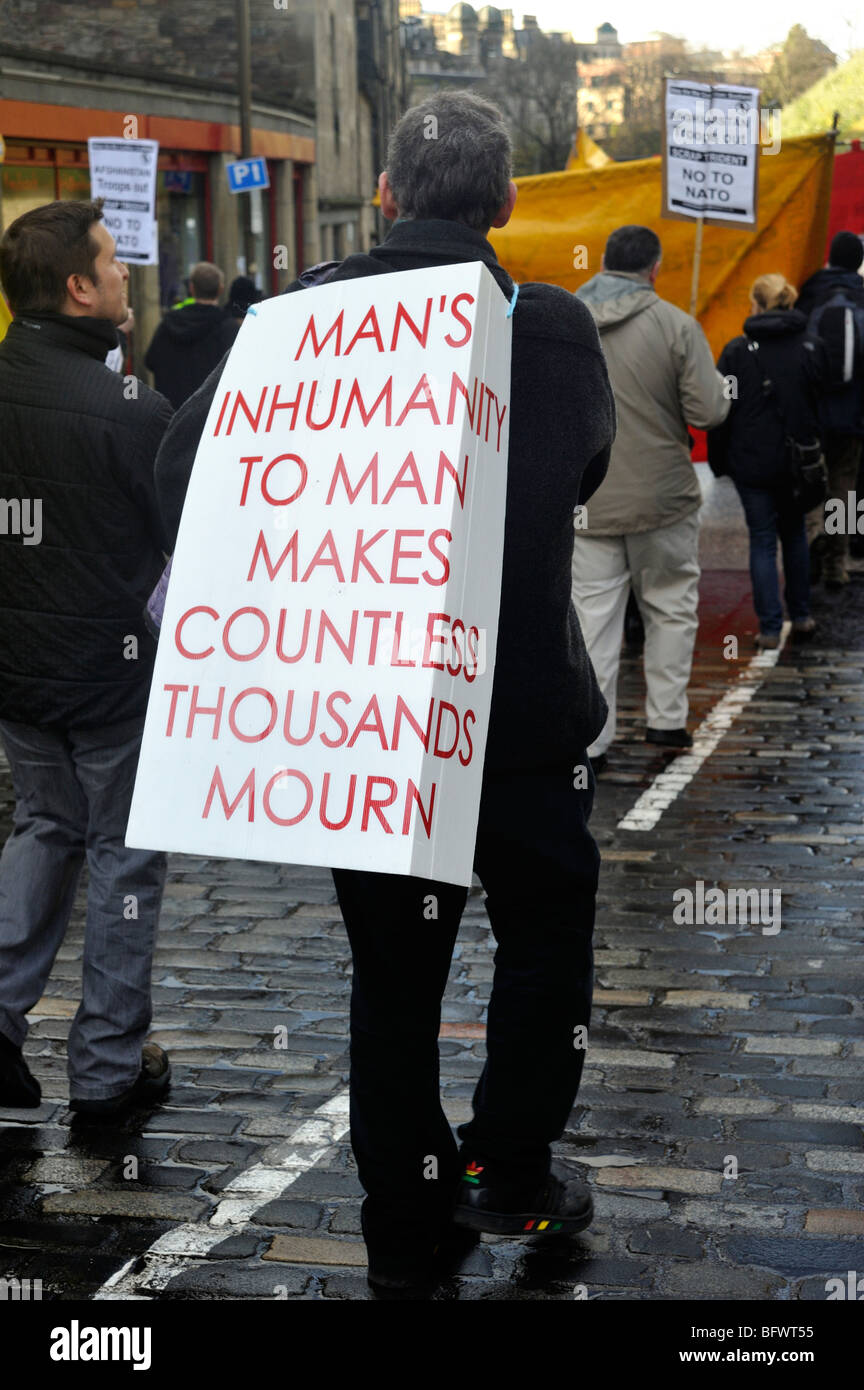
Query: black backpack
{"x": 807, "y": 472}
{"x": 839, "y": 322}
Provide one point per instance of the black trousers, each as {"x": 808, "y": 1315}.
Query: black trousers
{"x": 538, "y": 864}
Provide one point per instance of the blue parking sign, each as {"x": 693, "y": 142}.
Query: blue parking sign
{"x": 246, "y": 174}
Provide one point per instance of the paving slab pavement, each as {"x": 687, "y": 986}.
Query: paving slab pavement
{"x": 720, "y": 1118}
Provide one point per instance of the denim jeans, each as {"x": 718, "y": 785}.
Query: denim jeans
{"x": 768, "y": 518}
{"x": 73, "y": 790}
{"x": 538, "y": 863}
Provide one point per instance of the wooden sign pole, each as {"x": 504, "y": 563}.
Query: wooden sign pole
{"x": 697, "y": 257}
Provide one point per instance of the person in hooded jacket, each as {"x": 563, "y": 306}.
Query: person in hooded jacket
{"x": 191, "y": 340}
{"x": 243, "y": 293}
{"x": 839, "y": 283}
{"x": 845, "y": 256}
{"x": 641, "y": 527}
{"x": 779, "y": 371}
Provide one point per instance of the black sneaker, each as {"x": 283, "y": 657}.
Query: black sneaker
{"x": 19, "y": 1088}
{"x": 400, "y": 1273}
{"x": 153, "y": 1081}
{"x": 669, "y": 738}
{"x": 560, "y": 1206}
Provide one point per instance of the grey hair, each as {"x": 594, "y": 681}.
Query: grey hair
{"x": 451, "y": 157}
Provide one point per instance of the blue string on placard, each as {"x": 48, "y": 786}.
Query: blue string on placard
{"x": 509, "y": 314}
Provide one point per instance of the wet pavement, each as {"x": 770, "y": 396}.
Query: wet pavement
{"x": 720, "y": 1117}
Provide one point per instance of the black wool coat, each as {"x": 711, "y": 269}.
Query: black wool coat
{"x": 75, "y": 437}
{"x": 780, "y": 375}
{"x": 185, "y": 348}
{"x": 546, "y": 705}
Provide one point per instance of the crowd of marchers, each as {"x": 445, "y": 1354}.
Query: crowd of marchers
{"x": 602, "y": 507}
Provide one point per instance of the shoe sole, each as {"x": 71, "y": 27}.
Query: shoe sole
{"x": 405, "y": 1284}
{"x": 149, "y": 1094}
{"x": 453, "y": 1248}
{"x": 524, "y": 1223}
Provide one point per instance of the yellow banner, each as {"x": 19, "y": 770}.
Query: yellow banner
{"x": 586, "y": 153}
{"x": 561, "y": 222}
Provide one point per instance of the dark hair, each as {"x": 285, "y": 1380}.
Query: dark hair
{"x": 847, "y": 251}
{"x": 242, "y": 293}
{"x": 206, "y": 280}
{"x": 42, "y": 248}
{"x": 451, "y": 157}
{"x": 633, "y": 249}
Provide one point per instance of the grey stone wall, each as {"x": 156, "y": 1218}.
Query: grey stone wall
{"x": 194, "y": 39}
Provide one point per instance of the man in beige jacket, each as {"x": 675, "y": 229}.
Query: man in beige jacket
{"x": 641, "y": 527}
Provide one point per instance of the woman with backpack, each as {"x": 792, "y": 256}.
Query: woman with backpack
{"x": 770, "y": 445}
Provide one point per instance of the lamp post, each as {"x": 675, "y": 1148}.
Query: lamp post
{"x": 244, "y": 87}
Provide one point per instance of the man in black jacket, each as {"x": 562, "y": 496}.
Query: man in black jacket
{"x": 79, "y": 442}
{"x": 191, "y": 340}
{"x": 843, "y": 405}
{"x": 534, "y": 853}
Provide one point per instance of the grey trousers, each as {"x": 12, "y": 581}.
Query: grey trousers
{"x": 73, "y": 790}
{"x": 663, "y": 568}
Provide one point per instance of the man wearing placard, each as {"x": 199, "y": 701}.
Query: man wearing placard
{"x": 448, "y": 182}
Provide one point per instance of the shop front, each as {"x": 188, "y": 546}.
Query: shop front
{"x": 198, "y": 218}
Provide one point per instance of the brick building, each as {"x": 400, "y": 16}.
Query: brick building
{"x": 326, "y": 87}
{"x": 465, "y": 47}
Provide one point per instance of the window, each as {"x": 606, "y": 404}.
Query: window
{"x": 182, "y": 232}
{"x": 26, "y": 186}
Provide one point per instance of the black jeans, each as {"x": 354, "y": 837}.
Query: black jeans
{"x": 539, "y": 866}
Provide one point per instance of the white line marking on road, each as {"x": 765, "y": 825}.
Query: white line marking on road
{"x": 646, "y": 812}
{"x": 280, "y": 1165}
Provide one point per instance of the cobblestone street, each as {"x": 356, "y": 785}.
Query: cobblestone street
{"x": 719, "y": 1120}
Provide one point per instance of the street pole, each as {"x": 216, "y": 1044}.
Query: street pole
{"x": 244, "y": 87}
{"x": 697, "y": 257}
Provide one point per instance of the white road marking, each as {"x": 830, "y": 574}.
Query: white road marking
{"x": 666, "y": 786}
{"x": 280, "y": 1166}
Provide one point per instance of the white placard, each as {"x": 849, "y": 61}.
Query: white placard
{"x": 123, "y": 172}
{"x": 711, "y": 151}
{"x": 322, "y": 685}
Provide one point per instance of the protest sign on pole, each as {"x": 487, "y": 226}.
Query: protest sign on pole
{"x": 322, "y": 686}
{"x": 711, "y": 152}
{"x": 123, "y": 172}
